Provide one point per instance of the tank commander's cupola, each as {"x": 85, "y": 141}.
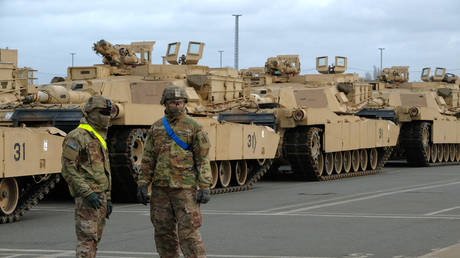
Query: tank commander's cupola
{"x": 194, "y": 53}
{"x": 322, "y": 66}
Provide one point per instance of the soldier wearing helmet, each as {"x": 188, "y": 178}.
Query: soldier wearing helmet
{"x": 176, "y": 164}
{"x": 86, "y": 168}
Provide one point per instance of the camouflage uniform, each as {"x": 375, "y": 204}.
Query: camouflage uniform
{"x": 86, "y": 168}
{"x": 175, "y": 175}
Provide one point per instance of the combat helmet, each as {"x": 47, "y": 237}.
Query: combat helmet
{"x": 173, "y": 92}
{"x": 97, "y": 101}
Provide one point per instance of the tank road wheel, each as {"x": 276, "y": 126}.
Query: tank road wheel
{"x": 338, "y": 162}
{"x": 453, "y": 152}
{"x": 136, "y": 147}
{"x": 458, "y": 152}
{"x": 225, "y": 173}
{"x": 428, "y": 152}
{"x": 329, "y": 163}
{"x": 320, "y": 163}
{"x": 363, "y": 159}
{"x": 434, "y": 152}
{"x": 355, "y": 160}
{"x": 240, "y": 172}
{"x": 373, "y": 158}
{"x": 445, "y": 148}
{"x": 9, "y": 195}
{"x": 440, "y": 153}
{"x": 314, "y": 150}
{"x": 214, "y": 173}
{"x": 347, "y": 161}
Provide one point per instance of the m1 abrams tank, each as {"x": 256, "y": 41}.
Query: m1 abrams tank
{"x": 323, "y": 138}
{"x": 28, "y": 169}
{"x": 240, "y": 153}
{"x": 428, "y": 112}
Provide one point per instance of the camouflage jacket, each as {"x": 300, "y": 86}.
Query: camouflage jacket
{"x": 167, "y": 164}
{"x": 85, "y": 164}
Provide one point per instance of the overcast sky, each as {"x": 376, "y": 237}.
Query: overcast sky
{"x": 417, "y": 33}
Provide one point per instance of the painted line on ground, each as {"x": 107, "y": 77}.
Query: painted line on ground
{"x": 374, "y": 196}
{"x": 370, "y": 216}
{"x": 351, "y": 196}
{"x": 346, "y": 197}
{"x": 442, "y": 211}
{"x": 306, "y": 214}
{"x": 71, "y": 253}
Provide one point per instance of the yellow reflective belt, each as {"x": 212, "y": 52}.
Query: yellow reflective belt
{"x": 87, "y": 127}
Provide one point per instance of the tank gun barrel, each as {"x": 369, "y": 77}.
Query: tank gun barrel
{"x": 56, "y": 94}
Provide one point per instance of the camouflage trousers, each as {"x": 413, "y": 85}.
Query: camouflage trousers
{"x": 89, "y": 224}
{"x": 176, "y": 218}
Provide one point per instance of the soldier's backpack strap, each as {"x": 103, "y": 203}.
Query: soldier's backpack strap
{"x": 173, "y": 136}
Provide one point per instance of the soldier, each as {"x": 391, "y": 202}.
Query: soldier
{"x": 176, "y": 163}
{"x": 86, "y": 168}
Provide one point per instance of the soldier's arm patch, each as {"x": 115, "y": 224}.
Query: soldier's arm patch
{"x": 72, "y": 144}
{"x": 204, "y": 137}
{"x": 70, "y": 150}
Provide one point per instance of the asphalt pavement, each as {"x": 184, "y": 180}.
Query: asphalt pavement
{"x": 401, "y": 212}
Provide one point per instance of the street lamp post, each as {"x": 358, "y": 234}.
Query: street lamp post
{"x": 220, "y": 53}
{"x": 236, "y": 39}
{"x": 73, "y": 54}
{"x": 381, "y": 58}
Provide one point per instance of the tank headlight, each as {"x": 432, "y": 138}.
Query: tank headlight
{"x": 413, "y": 111}
{"x": 298, "y": 114}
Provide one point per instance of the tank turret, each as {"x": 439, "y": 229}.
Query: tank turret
{"x": 15, "y": 82}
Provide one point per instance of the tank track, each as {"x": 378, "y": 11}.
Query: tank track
{"x": 257, "y": 175}
{"x": 300, "y": 157}
{"x": 414, "y": 148}
{"x": 29, "y": 196}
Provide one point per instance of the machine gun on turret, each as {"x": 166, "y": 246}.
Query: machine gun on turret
{"x": 124, "y": 56}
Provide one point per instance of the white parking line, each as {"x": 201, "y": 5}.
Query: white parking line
{"x": 124, "y": 254}
{"x": 352, "y": 195}
{"x": 317, "y": 214}
{"x": 58, "y": 254}
{"x": 367, "y": 197}
{"x": 442, "y": 211}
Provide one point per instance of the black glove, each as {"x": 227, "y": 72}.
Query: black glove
{"x": 142, "y": 195}
{"x": 94, "y": 200}
{"x": 203, "y": 196}
{"x": 109, "y": 209}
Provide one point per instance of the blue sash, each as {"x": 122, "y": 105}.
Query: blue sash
{"x": 173, "y": 136}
